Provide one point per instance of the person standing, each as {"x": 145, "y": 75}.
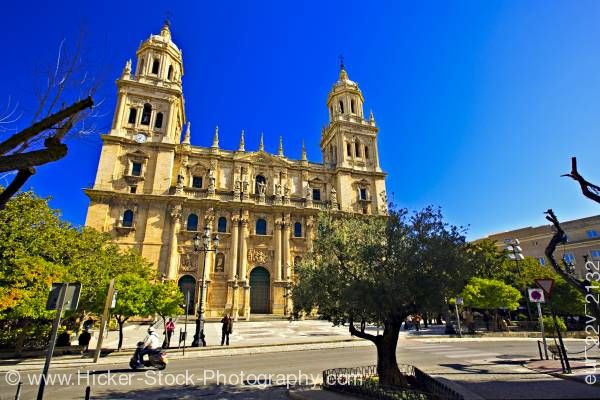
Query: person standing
{"x": 169, "y": 329}
{"x": 226, "y": 329}
{"x": 417, "y": 321}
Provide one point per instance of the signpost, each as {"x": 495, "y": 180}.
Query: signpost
{"x": 537, "y": 296}
{"x": 458, "y": 301}
{"x": 547, "y": 285}
{"x": 111, "y": 301}
{"x": 62, "y": 296}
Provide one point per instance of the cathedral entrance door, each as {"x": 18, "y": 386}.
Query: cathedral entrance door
{"x": 187, "y": 284}
{"x": 260, "y": 289}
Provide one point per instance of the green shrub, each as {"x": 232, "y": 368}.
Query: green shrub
{"x": 549, "y": 324}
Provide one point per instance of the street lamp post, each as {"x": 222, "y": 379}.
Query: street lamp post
{"x": 202, "y": 245}
{"x": 515, "y": 252}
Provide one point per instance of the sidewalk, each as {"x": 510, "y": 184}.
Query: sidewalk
{"x": 581, "y": 371}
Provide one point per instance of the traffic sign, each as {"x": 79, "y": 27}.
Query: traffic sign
{"x": 71, "y": 296}
{"x": 546, "y": 285}
{"x": 536, "y": 295}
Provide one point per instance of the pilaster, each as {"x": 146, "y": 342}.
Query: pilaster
{"x": 175, "y": 213}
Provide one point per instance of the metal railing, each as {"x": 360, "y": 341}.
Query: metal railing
{"x": 364, "y": 381}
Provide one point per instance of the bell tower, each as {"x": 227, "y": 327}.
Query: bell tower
{"x": 150, "y": 105}
{"x": 349, "y": 147}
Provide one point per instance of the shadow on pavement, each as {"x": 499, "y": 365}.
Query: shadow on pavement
{"x": 195, "y": 392}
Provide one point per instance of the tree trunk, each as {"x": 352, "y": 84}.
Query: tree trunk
{"x": 121, "y": 323}
{"x": 387, "y": 365}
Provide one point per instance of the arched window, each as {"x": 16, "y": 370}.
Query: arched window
{"x": 297, "y": 229}
{"x": 357, "y": 149}
{"x": 159, "y": 119}
{"x": 352, "y": 106}
{"x": 260, "y": 180}
{"x": 170, "y": 73}
{"x": 192, "y": 222}
{"x": 127, "y": 219}
{"x": 155, "y": 65}
{"x": 349, "y": 149}
{"x": 341, "y": 106}
{"x": 146, "y": 114}
{"x": 367, "y": 152}
{"x": 222, "y": 224}
{"x": 132, "y": 115}
{"x": 261, "y": 227}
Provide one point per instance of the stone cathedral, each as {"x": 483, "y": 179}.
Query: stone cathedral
{"x": 154, "y": 191}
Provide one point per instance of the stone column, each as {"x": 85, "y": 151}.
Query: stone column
{"x": 236, "y": 302}
{"x": 277, "y": 261}
{"x": 233, "y": 257}
{"x": 175, "y": 213}
{"x": 286, "y": 247}
{"x": 310, "y": 222}
{"x": 244, "y": 238}
{"x": 247, "y": 301}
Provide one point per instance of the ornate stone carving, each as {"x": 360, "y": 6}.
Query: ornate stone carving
{"x": 188, "y": 263}
{"x": 175, "y": 211}
{"x": 258, "y": 256}
{"x": 237, "y": 189}
{"x": 333, "y": 196}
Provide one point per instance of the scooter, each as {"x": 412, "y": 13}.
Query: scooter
{"x": 156, "y": 359}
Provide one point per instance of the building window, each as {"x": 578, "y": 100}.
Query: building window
{"x": 220, "y": 264}
{"x": 365, "y": 210}
{"x": 591, "y": 234}
{"x": 132, "y": 189}
{"x": 367, "y": 152}
{"x": 352, "y": 106}
{"x": 317, "y": 194}
{"x": 542, "y": 261}
{"x": 363, "y": 194}
{"x": 261, "y": 227}
{"x": 132, "y": 115}
{"x": 341, "y": 107}
{"x": 146, "y": 114}
{"x": 127, "y": 219}
{"x": 170, "y": 73}
{"x": 222, "y": 225}
{"x": 136, "y": 169}
{"x": 297, "y": 229}
{"x": 159, "y": 120}
{"x": 259, "y": 181}
{"x": 357, "y": 149}
{"x": 192, "y": 222}
{"x": 569, "y": 258}
{"x": 349, "y": 149}
{"x": 197, "y": 182}
{"x": 141, "y": 69}
{"x": 155, "y": 65}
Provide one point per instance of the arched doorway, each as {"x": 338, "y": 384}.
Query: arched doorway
{"x": 187, "y": 285}
{"x": 260, "y": 291}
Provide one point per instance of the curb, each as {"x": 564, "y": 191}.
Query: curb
{"x": 216, "y": 351}
{"x": 571, "y": 377}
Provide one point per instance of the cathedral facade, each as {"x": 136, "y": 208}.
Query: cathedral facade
{"x": 155, "y": 192}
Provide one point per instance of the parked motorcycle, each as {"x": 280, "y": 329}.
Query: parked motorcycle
{"x": 156, "y": 359}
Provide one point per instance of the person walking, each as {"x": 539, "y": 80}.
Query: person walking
{"x": 226, "y": 329}
{"x": 417, "y": 321}
{"x": 169, "y": 329}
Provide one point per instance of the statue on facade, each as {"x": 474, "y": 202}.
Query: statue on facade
{"x": 278, "y": 189}
{"x": 211, "y": 182}
{"x": 333, "y": 197}
{"x": 308, "y": 192}
{"x": 179, "y": 186}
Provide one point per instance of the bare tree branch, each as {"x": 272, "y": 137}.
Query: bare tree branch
{"x": 45, "y": 124}
{"x": 361, "y": 333}
{"x": 15, "y": 185}
{"x": 558, "y": 238}
{"x": 588, "y": 189}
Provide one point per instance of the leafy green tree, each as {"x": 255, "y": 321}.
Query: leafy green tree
{"x": 133, "y": 294}
{"x": 490, "y": 294}
{"x": 166, "y": 300}
{"x": 379, "y": 270}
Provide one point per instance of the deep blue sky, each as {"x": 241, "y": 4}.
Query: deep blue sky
{"x": 480, "y": 104}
